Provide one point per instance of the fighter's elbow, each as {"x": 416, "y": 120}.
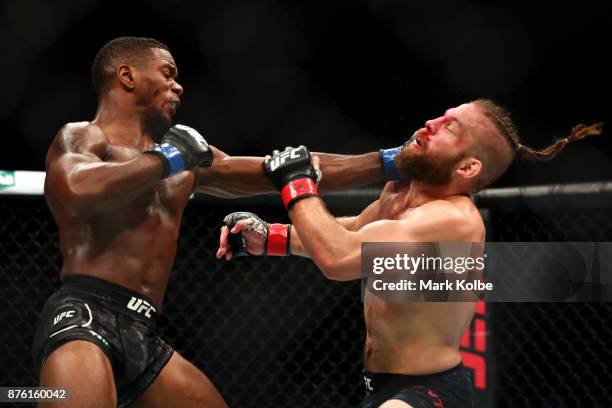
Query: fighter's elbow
{"x": 329, "y": 273}
{"x": 334, "y": 269}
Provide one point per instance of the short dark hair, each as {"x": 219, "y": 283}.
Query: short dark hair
{"x": 122, "y": 50}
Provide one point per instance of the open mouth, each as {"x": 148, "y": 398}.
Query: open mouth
{"x": 174, "y": 105}
{"x": 414, "y": 140}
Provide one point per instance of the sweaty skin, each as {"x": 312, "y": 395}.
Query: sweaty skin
{"x": 117, "y": 220}
{"x": 408, "y": 337}
{"x": 402, "y": 337}
{"x": 120, "y": 222}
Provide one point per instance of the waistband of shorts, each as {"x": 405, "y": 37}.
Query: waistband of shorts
{"x": 120, "y": 298}
{"x": 375, "y": 382}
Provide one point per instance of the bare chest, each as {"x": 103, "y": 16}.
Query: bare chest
{"x": 168, "y": 198}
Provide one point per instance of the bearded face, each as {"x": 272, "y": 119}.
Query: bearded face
{"x": 427, "y": 167}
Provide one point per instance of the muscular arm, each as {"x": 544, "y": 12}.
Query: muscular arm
{"x": 232, "y": 177}
{"x": 337, "y": 251}
{"x": 342, "y": 172}
{"x": 297, "y": 246}
{"x": 348, "y": 223}
{"x": 256, "y": 241}
{"x": 79, "y": 180}
{"x": 241, "y": 176}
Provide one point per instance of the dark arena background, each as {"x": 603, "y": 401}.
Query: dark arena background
{"x": 341, "y": 77}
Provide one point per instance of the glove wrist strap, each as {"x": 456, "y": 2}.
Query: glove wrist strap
{"x": 278, "y": 243}
{"x": 387, "y": 161}
{"x": 298, "y": 189}
{"x": 172, "y": 157}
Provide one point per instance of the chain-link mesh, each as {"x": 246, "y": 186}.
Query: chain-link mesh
{"x": 267, "y": 331}
{"x": 552, "y": 354}
{"x": 274, "y": 332}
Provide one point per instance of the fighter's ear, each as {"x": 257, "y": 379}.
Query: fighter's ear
{"x": 469, "y": 167}
{"x": 126, "y": 74}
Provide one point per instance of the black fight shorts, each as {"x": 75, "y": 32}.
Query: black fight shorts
{"x": 448, "y": 389}
{"x": 121, "y": 322}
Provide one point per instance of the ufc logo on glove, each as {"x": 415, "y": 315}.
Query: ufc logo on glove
{"x": 280, "y": 159}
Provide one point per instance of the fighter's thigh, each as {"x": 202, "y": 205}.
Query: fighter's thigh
{"x": 180, "y": 384}
{"x": 395, "y": 404}
{"x": 83, "y": 369}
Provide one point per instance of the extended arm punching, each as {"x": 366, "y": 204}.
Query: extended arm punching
{"x": 241, "y": 176}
